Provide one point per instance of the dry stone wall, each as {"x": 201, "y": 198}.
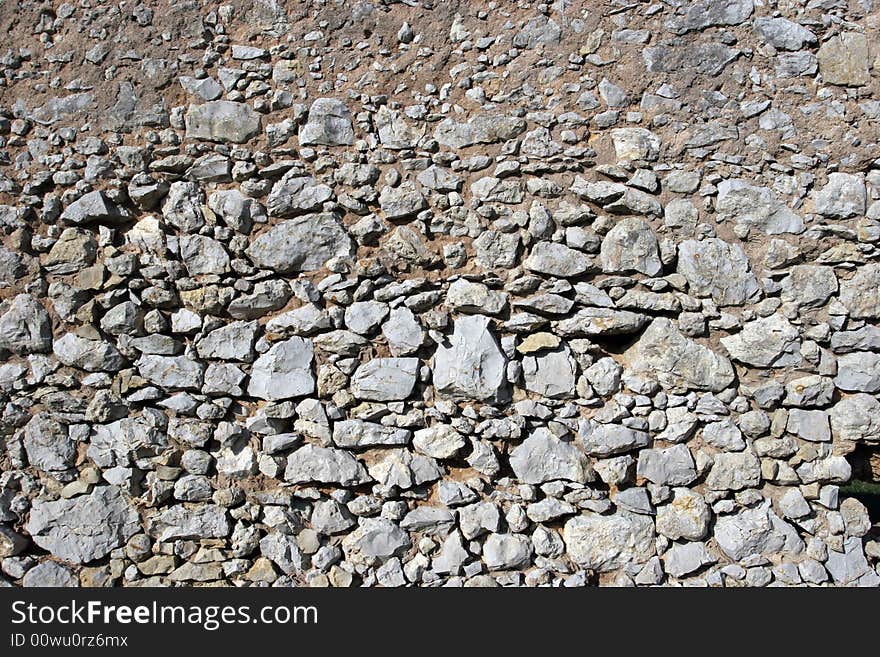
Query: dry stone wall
{"x": 438, "y": 293}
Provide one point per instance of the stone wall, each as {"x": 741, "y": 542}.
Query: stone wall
{"x": 438, "y": 294}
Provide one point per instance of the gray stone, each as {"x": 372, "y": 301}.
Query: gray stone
{"x": 677, "y": 362}
{"x": 843, "y": 196}
{"x": 203, "y": 255}
{"x": 48, "y": 445}
{"x": 782, "y": 33}
{"x": 234, "y": 341}
{"x": 49, "y": 574}
{"x": 809, "y": 286}
{"x": 844, "y": 60}
{"x": 609, "y": 439}
{"x": 717, "y": 269}
{"x": 328, "y": 124}
{"x": 605, "y": 543}
{"x": 324, "y": 465}
{"x": 759, "y": 207}
{"x": 551, "y": 374}
{"x": 472, "y": 366}
{"x": 171, "y": 372}
{"x": 765, "y": 342}
{"x": 223, "y": 121}
{"x": 84, "y": 528}
{"x": 861, "y": 293}
{"x": 543, "y": 457}
{"x": 89, "y": 355}
{"x": 686, "y": 516}
{"x": 301, "y": 245}
{"x": 672, "y": 466}
{"x": 631, "y": 246}
{"x": 749, "y": 532}
{"x": 858, "y": 371}
{"x": 856, "y": 418}
{"x": 506, "y": 551}
{"x": 374, "y": 542}
{"x": 183, "y": 521}
{"x": 284, "y": 371}
{"x": 687, "y": 558}
{"x": 734, "y": 471}
{"x": 25, "y": 326}
{"x": 385, "y": 379}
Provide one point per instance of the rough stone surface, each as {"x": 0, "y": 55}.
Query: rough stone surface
{"x": 426, "y": 294}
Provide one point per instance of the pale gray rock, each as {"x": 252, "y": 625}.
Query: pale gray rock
{"x": 676, "y": 361}
{"x": 171, "y": 372}
{"x": 84, "y": 528}
{"x": 724, "y": 435}
{"x": 375, "y": 541}
{"x": 858, "y": 371}
{"x": 844, "y": 59}
{"x": 363, "y": 317}
{"x": 472, "y": 366}
{"x": 234, "y": 341}
{"x": 734, "y": 471}
{"x": 507, "y": 551}
{"x": 403, "y": 332}
{"x": 223, "y": 121}
{"x": 672, "y": 466}
{"x": 25, "y": 326}
{"x": 809, "y": 286}
{"x": 758, "y": 207}
{"x": 385, "y": 379}
{"x": 686, "y": 515}
{"x": 856, "y": 418}
{"x": 601, "y": 322}
{"x": 687, "y": 558}
{"x": 328, "y": 124}
{"x": 765, "y": 342}
{"x": 609, "y": 439}
{"x": 543, "y": 457}
{"x": 861, "y": 293}
{"x": 49, "y": 574}
{"x": 832, "y": 469}
{"x": 843, "y": 196}
{"x": 93, "y": 207}
{"x": 324, "y": 465}
{"x": 301, "y": 245}
{"x": 717, "y": 269}
{"x": 556, "y": 260}
{"x": 606, "y": 543}
{"x": 809, "y": 425}
{"x": 182, "y": 207}
{"x": 89, "y": 355}
{"x": 472, "y": 297}
{"x": 698, "y": 16}
{"x": 48, "y": 444}
{"x": 440, "y": 441}
{"x": 183, "y": 521}
{"x": 203, "y": 255}
{"x": 284, "y": 371}
{"x": 496, "y": 249}
{"x": 631, "y": 246}
{"x": 550, "y": 374}
{"x": 751, "y": 531}
{"x": 782, "y": 33}
{"x": 401, "y": 468}
{"x": 635, "y": 144}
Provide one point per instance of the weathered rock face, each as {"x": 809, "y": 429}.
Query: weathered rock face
{"x": 223, "y": 121}
{"x": 384, "y": 294}
{"x": 302, "y": 244}
{"x": 717, "y": 269}
{"x": 84, "y": 528}
{"x": 473, "y": 366}
{"x": 663, "y": 352}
